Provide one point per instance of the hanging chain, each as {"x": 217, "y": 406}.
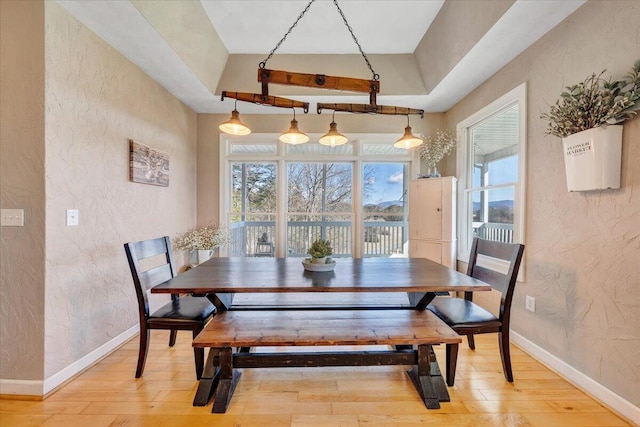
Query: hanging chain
{"x": 355, "y": 39}
{"x": 264, "y": 63}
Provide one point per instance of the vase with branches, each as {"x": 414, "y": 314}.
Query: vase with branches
{"x": 436, "y": 148}
{"x": 203, "y": 240}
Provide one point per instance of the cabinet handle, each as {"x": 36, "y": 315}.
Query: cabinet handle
{"x": 438, "y": 209}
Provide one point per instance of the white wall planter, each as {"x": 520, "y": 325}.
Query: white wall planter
{"x": 592, "y": 158}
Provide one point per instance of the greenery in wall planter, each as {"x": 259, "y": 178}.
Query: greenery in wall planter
{"x": 588, "y": 118}
{"x": 595, "y": 102}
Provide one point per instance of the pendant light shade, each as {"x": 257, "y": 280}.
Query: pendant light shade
{"x": 333, "y": 137}
{"x": 234, "y": 126}
{"x": 294, "y": 136}
{"x": 408, "y": 140}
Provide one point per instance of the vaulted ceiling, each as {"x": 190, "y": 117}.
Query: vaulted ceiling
{"x": 429, "y": 53}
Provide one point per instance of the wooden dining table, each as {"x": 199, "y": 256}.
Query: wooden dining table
{"x": 283, "y": 284}
{"x": 416, "y": 280}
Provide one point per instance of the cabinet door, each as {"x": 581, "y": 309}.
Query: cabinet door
{"x": 429, "y": 250}
{"x": 425, "y": 209}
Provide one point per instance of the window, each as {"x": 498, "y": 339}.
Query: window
{"x": 385, "y": 209}
{"x": 319, "y": 198}
{"x": 253, "y": 207}
{"x": 491, "y": 165}
{"x": 277, "y": 198}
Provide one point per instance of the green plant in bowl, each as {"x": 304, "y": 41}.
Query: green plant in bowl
{"x": 319, "y": 251}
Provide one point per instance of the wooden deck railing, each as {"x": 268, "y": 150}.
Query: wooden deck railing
{"x": 381, "y": 238}
{"x": 494, "y": 231}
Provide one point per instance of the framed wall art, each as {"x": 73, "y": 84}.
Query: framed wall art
{"x": 148, "y": 165}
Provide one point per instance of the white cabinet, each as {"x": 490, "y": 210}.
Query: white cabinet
{"x": 432, "y": 220}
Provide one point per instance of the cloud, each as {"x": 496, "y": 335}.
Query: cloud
{"x": 371, "y": 180}
{"x": 396, "y": 178}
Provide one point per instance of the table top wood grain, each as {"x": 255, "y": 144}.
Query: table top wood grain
{"x": 280, "y": 275}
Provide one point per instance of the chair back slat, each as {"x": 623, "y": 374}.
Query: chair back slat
{"x": 156, "y": 275}
{"x": 145, "y": 279}
{"x": 504, "y": 283}
{"x": 498, "y": 250}
{"x": 149, "y": 248}
{"x": 498, "y": 281}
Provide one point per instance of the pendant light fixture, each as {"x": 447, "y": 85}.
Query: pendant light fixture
{"x": 294, "y": 136}
{"x": 234, "y": 126}
{"x": 408, "y": 140}
{"x": 320, "y": 81}
{"x": 333, "y": 138}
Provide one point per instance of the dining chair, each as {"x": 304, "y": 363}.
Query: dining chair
{"x": 182, "y": 313}
{"x": 467, "y": 318}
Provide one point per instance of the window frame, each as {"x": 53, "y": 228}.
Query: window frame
{"x": 464, "y": 167}
{"x": 282, "y": 157}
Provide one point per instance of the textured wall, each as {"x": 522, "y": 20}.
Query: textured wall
{"x": 22, "y": 186}
{"x": 582, "y": 249}
{"x": 95, "y": 101}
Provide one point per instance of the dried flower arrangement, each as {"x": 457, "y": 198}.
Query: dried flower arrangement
{"x": 436, "y": 147}
{"x": 595, "y": 102}
{"x": 208, "y": 237}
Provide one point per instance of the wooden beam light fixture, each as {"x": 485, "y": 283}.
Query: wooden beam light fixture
{"x": 319, "y": 81}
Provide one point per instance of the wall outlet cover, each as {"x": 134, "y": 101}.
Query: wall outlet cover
{"x": 530, "y": 304}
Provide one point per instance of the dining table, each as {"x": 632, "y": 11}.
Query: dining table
{"x": 264, "y": 283}
{"x": 402, "y": 282}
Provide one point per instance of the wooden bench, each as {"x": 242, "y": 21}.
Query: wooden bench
{"x": 410, "y": 332}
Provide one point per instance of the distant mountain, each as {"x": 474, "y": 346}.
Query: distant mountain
{"x": 496, "y": 204}
{"x": 385, "y": 205}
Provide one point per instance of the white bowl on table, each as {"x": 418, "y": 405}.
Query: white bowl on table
{"x": 309, "y": 266}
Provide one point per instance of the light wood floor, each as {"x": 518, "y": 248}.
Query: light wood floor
{"x": 109, "y": 395}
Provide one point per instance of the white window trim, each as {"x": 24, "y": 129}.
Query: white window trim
{"x": 517, "y": 95}
{"x": 281, "y": 158}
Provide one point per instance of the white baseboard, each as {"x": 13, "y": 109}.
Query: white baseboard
{"x": 21, "y": 387}
{"x": 41, "y": 388}
{"x": 596, "y": 390}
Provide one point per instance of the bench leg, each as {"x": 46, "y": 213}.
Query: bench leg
{"x": 208, "y": 380}
{"x": 422, "y": 380}
{"x": 228, "y": 380}
{"x": 452, "y": 361}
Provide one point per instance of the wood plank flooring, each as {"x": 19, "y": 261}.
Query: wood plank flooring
{"x": 109, "y": 395}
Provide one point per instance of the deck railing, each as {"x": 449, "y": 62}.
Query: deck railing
{"x": 494, "y": 231}
{"x": 381, "y": 238}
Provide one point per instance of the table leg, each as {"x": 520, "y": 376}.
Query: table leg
{"x": 420, "y": 300}
{"x": 208, "y": 381}
{"x": 221, "y": 301}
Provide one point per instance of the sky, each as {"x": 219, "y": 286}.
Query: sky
{"x": 386, "y": 183}
{"x": 387, "y": 180}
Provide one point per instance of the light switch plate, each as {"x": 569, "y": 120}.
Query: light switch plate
{"x": 12, "y": 217}
{"x": 73, "y": 217}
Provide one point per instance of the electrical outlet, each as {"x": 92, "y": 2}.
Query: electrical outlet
{"x": 530, "y": 304}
